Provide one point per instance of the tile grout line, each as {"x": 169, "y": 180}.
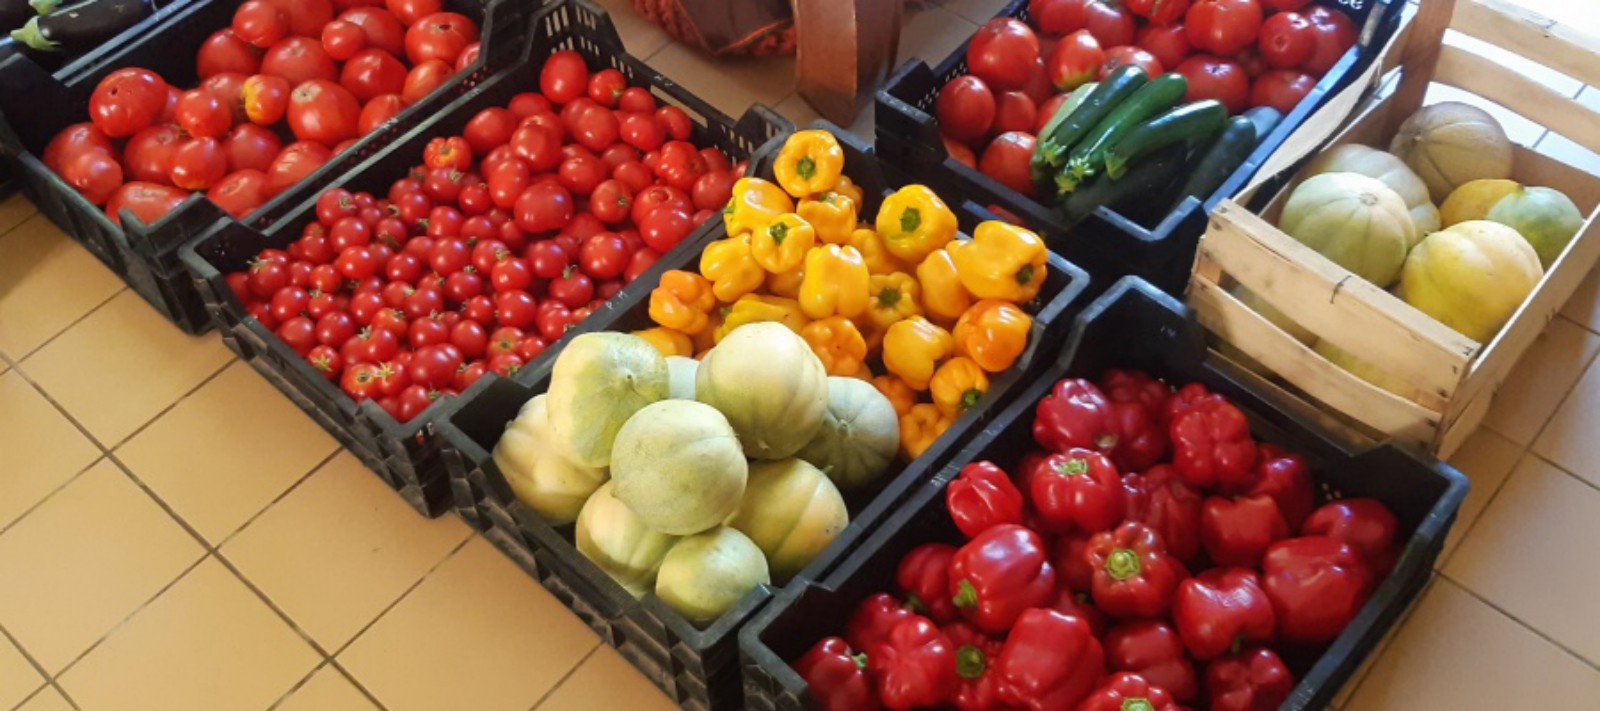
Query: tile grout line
{"x": 280, "y": 497}
{"x": 58, "y": 334}
{"x": 1507, "y": 614}
{"x": 404, "y": 594}
{"x": 120, "y": 623}
{"x": 564, "y": 677}
{"x": 1387, "y": 642}
{"x": 49, "y": 680}
{"x": 334, "y": 662}
{"x": 298, "y": 685}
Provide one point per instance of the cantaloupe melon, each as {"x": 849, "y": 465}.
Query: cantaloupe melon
{"x": 1471, "y": 277}
{"x": 792, "y": 512}
{"x": 769, "y": 384}
{"x": 597, "y": 383}
{"x": 859, "y": 435}
{"x": 678, "y": 465}
{"x": 1353, "y": 220}
{"x": 1387, "y": 169}
{"x": 1450, "y": 143}
{"x": 704, "y": 575}
{"x": 539, "y": 474}
{"x": 619, "y": 543}
{"x": 1545, "y": 217}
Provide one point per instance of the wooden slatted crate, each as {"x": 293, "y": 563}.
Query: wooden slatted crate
{"x": 1454, "y": 377}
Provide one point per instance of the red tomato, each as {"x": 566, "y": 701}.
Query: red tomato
{"x": 597, "y": 128}
{"x": 228, "y": 87}
{"x": 582, "y": 174}
{"x": 636, "y": 99}
{"x": 469, "y": 56}
{"x": 1158, "y": 12}
{"x": 1046, "y": 111}
{"x": 265, "y": 98}
{"x": 299, "y": 60}
{"x": 297, "y": 161}
{"x": 663, "y": 228}
{"x": 1002, "y": 52}
{"x": 198, "y": 164}
{"x": 95, "y": 174}
{"x": 148, "y": 155}
{"x": 1223, "y": 27}
{"x": 1119, "y": 56}
{"x": 223, "y": 51}
{"x": 656, "y": 196}
{"x": 606, "y": 87}
{"x": 677, "y": 123}
{"x": 490, "y": 128}
{"x": 1282, "y": 89}
{"x": 1075, "y": 60}
{"x": 260, "y": 24}
{"x": 239, "y": 193}
{"x": 565, "y": 77}
{"x": 382, "y": 29}
{"x": 251, "y": 147}
{"x": 447, "y": 152}
{"x": 371, "y": 73}
{"x": 442, "y": 36}
{"x": 714, "y": 189}
{"x": 640, "y": 262}
{"x": 127, "y": 101}
{"x": 1039, "y": 89}
{"x": 610, "y": 200}
{"x": 965, "y": 108}
{"x": 203, "y": 115}
{"x": 410, "y": 11}
{"x": 1109, "y": 23}
{"x": 1169, "y": 44}
{"x": 527, "y": 104}
{"x": 1059, "y": 17}
{"x": 604, "y": 256}
{"x": 424, "y": 78}
{"x": 1284, "y": 5}
{"x": 379, "y": 109}
{"x": 1335, "y": 34}
{"x": 1216, "y": 78}
{"x": 306, "y": 17}
{"x": 539, "y": 146}
{"x": 680, "y": 165}
{"x": 324, "y": 112}
{"x": 342, "y": 40}
{"x": 1015, "y": 112}
{"x": 543, "y": 207}
{"x": 75, "y": 139}
{"x": 641, "y": 131}
{"x": 148, "y": 202}
{"x": 1287, "y": 40}
{"x": 1250, "y": 59}
{"x": 1006, "y": 160}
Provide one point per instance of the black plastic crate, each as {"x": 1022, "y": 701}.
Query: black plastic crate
{"x": 406, "y": 455}
{"x": 697, "y": 668}
{"x": 1108, "y": 244}
{"x": 36, "y": 104}
{"x": 1133, "y": 325}
{"x": 64, "y": 66}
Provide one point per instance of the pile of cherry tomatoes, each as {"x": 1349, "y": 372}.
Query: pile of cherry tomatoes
{"x": 281, "y": 91}
{"x": 505, "y": 237}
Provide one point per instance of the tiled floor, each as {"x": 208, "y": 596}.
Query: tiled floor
{"x": 176, "y": 535}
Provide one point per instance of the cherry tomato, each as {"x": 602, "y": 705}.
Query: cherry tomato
{"x": 371, "y": 345}
{"x": 1282, "y": 89}
{"x": 266, "y": 277}
{"x": 504, "y": 340}
{"x": 299, "y": 60}
{"x": 96, "y": 175}
{"x": 1335, "y": 33}
{"x": 360, "y": 380}
{"x": 239, "y": 193}
{"x": 548, "y": 260}
{"x": 573, "y": 288}
{"x": 148, "y": 155}
{"x": 965, "y": 108}
{"x": 530, "y": 348}
{"x": 604, "y": 256}
{"x": 1287, "y": 40}
{"x": 289, "y": 302}
{"x": 382, "y": 29}
{"x": 265, "y": 98}
{"x": 514, "y": 308}
{"x": 223, "y": 51}
{"x": 342, "y": 40}
{"x": 1002, "y": 53}
{"x": 554, "y": 318}
{"x": 349, "y": 232}
{"x": 1169, "y": 44}
{"x": 1075, "y": 60}
{"x": 1015, "y": 112}
{"x": 424, "y": 78}
{"x": 1216, "y": 78}
{"x": 410, "y": 11}
{"x": 565, "y": 77}
{"x": 1006, "y": 160}
{"x": 470, "y": 338}
{"x": 1119, "y": 56}
{"x": 435, "y": 366}
{"x": 378, "y": 110}
{"x": 441, "y": 35}
{"x": 260, "y": 24}
{"x": 490, "y": 128}
{"x": 1158, "y": 12}
{"x": 251, "y": 147}
{"x": 356, "y": 263}
{"x": 1223, "y": 27}
{"x": 323, "y": 112}
{"x": 127, "y": 101}
{"x": 299, "y": 334}
{"x": 306, "y": 17}
{"x": 325, "y": 360}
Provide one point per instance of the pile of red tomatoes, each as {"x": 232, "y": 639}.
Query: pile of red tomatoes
{"x": 281, "y": 91}
{"x": 505, "y": 237}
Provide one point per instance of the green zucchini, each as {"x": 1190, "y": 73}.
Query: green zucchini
{"x": 1040, "y": 163}
{"x": 1149, "y": 179}
{"x": 1117, "y": 88}
{"x": 1198, "y": 121}
{"x": 1265, "y": 119}
{"x": 1226, "y": 154}
{"x": 1154, "y": 97}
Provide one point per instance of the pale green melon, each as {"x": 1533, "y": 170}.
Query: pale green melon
{"x": 769, "y": 384}
{"x": 704, "y": 575}
{"x": 597, "y": 383}
{"x": 859, "y": 436}
{"x": 678, "y": 465}
{"x": 792, "y": 512}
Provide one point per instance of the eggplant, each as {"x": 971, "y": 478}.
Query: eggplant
{"x": 82, "y": 25}
{"x": 13, "y": 13}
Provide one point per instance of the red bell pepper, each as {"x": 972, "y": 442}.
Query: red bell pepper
{"x": 1154, "y": 651}
{"x": 1075, "y": 415}
{"x": 1185, "y": 398}
{"x": 1077, "y": 604}
{"x": 1364, "y": 524}
{"x": 1077, "y": 490}
{"x": 1284, "y": 477}
{"x": 1136, "y": 406}
{"x": 1236, "y": 532}
{"x": 1316, "y": 584}
{"x": 1219, "y": 610}
{"x": 914, "y": 667}
{"x": 1072, "y": 562}
{"x": 1255, "y": 680}
{"x": 1159, "y": 499}
{"x": 982, "y": 496}
{"x": 924, "y": 578}
{"x": 977, "y": 685}
{"x": 998, "y": 575}
{"x": 873, "y": 619}
{"x": 1050, "y": 661}
{"x": 837, "y": 677}
{"x": 1211, "y": 446}
{"x": 1133, "y": 575}
{"x": 1136, "y": 386}
{"x": 1126, "y": 691}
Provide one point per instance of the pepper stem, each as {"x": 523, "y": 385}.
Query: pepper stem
{"x": 889, "y": 297}
{"x": 914, "y": 604}
{"x": 1073, "y": 467}
{"x": 970, "y": 398}
{"x": 860, "y": 660}
{"x": 910, "y": 220}
{"x": 1122, "y": 564}
{"x": 1025, "y": 274}
{"x": 778, "y": 231}
{"x": 970, "y": 662}
{"x": 1137, "y": 704}
{"x": 966, "y": 595}
{"x": 806, "y": 167}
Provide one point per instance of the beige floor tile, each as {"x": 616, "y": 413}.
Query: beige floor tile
{"x": 1458, "y": 653}
{"x": 18, "y": 677}
{"x": 639, "y": 36}
{"x": 729, "y": 85}
{"x": 1521, "y": 556}
{"x": 1487, "y": 458}
{"x": 498, "y": 638}
{"x": 798, "y": 111}
{"x": 48, "y": 699}
{"x": 1584, "y": 306}
{"x": 1541, "y": 380}
{"x": 931, "y": 34}
{"x": 1563, "y": 149}
{"x": 42, "y": 449}
{"x": 247, "y": 457}
{"x": 122, "y": 365}
{"x": 328, "y": 690}
{"x": 85, "y": 560}
{"x": 207, "y": 643}
{"x": 339, "y": 549}
{"x": 977, "y": 11}
{"x": 1569, "y": 440}
{"x": 606, "y": 681}
{"x": 13, "y": 210}
{"x": 47, "y": 282}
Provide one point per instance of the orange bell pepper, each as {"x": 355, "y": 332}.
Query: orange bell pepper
{"x": 943, "y": 296}
{"x": 958, "y": 385}
{"x": 920, "y": 428}
{"x": 668, "y": 341}
{"x": 993, "y": 334}
{"x": 913, "y": 348}
{"x": 787, "y": 284}
{"x": 837, "y": 344}
{"x": 900, "y": 395}
{"x": 682, "y": 302}
{"x": 847, "y": 187}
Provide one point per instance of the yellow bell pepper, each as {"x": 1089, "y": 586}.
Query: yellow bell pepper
{"x": 787, "y": 284}
{"x": 756, "y": 308}
{"x": 781, "y": 245}
{"x": 732, "y": 268}
{"x": 1001, "y": 262}
{"x": 901, "y": 397}
{"x": 837, "y": 344}
{"x": 831, "y": 214}
{"x": 847, "y": 187}
{"x": 957, "y": 386}
{"x": 668, "y": 341}
{"x": 754, "y": 203}
{"x": 894, "y": 297}
{"x": 920, "y": 428}
{"x": 993, "y": 333}
{"x": 878, "y": 259}
{"x": 682, "y": 302}
{"x": 913, "y": 222}
{"x": 912, "y": 349}
{"x": 809, "y": 163}
{"x": 943, "y": 296}
{"x": 835, "y": 282}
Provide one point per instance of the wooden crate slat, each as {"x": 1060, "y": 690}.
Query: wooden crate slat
{"x": 1473, "y": 72}
{"x": 1524, "y": 32}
